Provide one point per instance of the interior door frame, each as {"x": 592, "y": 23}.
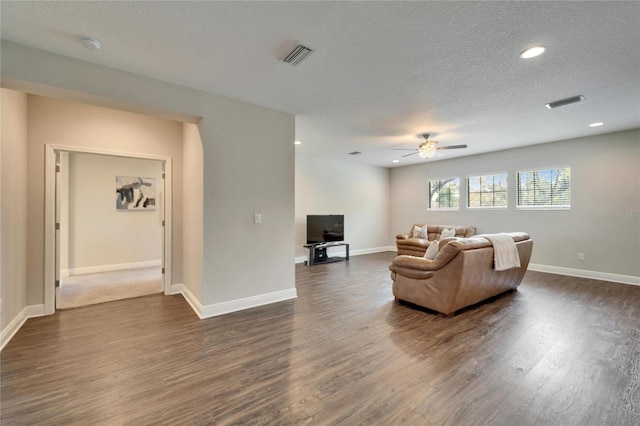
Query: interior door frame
{"x": 50, "y": 240}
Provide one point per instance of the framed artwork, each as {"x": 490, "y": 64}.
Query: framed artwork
{"x": 135, "y": 193}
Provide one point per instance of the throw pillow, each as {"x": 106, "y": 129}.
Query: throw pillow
{"x": 432, "y": 250}
{"x": 447, "y": 233}
{"x": 420, "y": 232}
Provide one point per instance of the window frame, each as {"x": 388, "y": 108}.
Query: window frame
{"x": 506, "y": 180}
{"x": 454, "y": 178}
{"x": 543, "y": 206}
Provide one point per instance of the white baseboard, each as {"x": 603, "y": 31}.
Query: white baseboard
{"x": 343, "y": 252}
{"x": 189, "y": 297}
{"x": 109, "y": 268}
{"x": 12, "y": 328}
{"x": 581, "y": 273}
{"x": 216, "y": 309}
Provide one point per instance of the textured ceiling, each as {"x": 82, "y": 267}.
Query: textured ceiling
{"x": 382, "y": 72}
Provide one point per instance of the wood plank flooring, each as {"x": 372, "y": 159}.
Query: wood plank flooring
{"x": 559, "y": 351}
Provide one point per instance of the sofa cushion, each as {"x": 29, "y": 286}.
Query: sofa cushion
{"x": 419, "y": 232}
{"x": 432, "y": 251}
{"x": 447, "y": 233}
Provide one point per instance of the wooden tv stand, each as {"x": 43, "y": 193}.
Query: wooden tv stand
{"x": 318, "y": 253}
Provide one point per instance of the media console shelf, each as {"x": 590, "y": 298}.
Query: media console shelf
{"x": 318, "y": 253}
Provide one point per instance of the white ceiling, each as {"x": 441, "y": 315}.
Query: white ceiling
{"x": 382, "y": 72}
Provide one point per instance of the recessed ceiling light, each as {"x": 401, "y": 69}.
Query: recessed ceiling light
{"x": 298, "y": 143}
{"x": 396, "y": 161}
{"x": 597, "y": 124}
{"x": 532, "y": 52}
{"x": 90, "y": 43}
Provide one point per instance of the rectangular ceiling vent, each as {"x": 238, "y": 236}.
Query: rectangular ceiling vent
{"x": 355, "y": 153}
{"x": 297, "y": 55}
{"x": 563, "y": 102}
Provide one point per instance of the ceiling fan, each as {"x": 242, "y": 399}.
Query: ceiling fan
{"x": 427, "y": 149}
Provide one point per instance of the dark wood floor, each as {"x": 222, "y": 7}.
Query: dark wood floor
{"x": 561, "y": 350}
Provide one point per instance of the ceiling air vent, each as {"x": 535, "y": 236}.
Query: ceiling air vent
{"x": 297, "y": 55}
{"x": 355, "y": 153}
{"x": 563, "y": 102}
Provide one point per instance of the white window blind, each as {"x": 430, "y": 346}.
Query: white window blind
{"x": 544, "y": 188}
{"x": 444, "y": 194}
{"x": 487, "y": 191}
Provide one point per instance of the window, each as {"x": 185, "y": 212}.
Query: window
{"x": 444, "y": 194}
{"x": 488, "y": 191}
{"x": 544, "y": 188}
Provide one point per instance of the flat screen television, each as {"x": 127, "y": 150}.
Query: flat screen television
{"x": 325, "y": 228}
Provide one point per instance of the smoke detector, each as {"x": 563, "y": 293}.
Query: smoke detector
{"x": 90, "y": 43}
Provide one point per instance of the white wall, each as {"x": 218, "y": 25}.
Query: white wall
{"x": 13, "y": 208}
{"x": 603, "y": 221}
{"x": 248, "y": 167}
{"x": 102, "y": 238}
{"x": 358, "y": 191}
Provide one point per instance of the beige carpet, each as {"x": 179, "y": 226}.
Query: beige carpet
{"x": 89, "y": 289}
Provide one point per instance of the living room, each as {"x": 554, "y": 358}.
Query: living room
{"x": 237, "y": 160}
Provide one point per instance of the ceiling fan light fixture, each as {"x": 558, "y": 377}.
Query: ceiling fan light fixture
{"x": 427, "y": 151}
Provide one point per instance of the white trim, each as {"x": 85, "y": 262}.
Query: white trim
{"x": 581, "y": 273}
{"x": 12, "y": 328}
{"x": 189, "y": 297}
{"x": 343, "y": 252}
{"x": 371, "y": 250}
{"x": 110, "y": 268}
{"x": 34, "y": 311}
{"x": 167, "y": 217}
{"x": 222, "y": 308}
{"x": 50, "y": 210}
{"x": 176, "y": 289}
{"x": 49, "y": 230}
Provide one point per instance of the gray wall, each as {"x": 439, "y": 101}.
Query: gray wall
{"x": 60, "y": 122}
{"x": 13, "y": 206}
{"x": 248, "y": 162}
{"x": 358, "y": 191}
{"x": 192, "y": 199}
{"x": 602, "y": 223}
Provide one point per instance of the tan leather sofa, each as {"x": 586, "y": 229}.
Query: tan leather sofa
{"x": 462, "y": 274}
{"x": 409, "y": 245}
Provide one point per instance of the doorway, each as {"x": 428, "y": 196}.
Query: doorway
{"x": 95, "y": 253}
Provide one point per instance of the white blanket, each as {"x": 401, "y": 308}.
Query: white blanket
{"x": 505, "y": 252}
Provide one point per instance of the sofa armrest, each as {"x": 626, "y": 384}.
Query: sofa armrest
{"x": 403, "y": 236}
{"x": 415, "y": 274}
{"x": 406, "y": 262}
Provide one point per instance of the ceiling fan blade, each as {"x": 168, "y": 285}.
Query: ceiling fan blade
{"x": 406, "y": 155}
{"x": 451, "y": 147}
{"x": 403, "y": 149}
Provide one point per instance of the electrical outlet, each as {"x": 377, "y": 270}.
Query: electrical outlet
{"x": 580, "y": 256}
{"x": 257, "y": 218}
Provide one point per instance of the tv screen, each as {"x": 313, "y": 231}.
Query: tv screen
{"x": 325, "y": 228}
